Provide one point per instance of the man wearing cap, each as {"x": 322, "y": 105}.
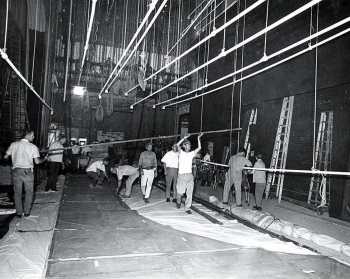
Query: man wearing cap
{"x": 22, "y": 153}
{"x": 148, "y": 170}
{"x": 185, "y": 181}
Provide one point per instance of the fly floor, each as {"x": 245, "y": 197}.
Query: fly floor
{"x": 97, "y": 236}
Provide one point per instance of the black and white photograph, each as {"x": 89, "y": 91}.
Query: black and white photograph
{"x": 185, "y": 139}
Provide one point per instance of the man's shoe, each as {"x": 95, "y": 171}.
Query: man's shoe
{"x": 188, "y": 211}
{"x": 125, "y": 196}
{"x": 226, "y": 203}
{"x": 26, "y": 214}
{"x": 239, "y": 205}
{"x": 259, "y": 208}
{"x": 146, "y": 200}
{"x": 255, "y": 207}
{"x": 178, "y": 205}
{"x": 167, "y": 199}
{"x": 175, "y": 200}
{"x": 19, "y": 215}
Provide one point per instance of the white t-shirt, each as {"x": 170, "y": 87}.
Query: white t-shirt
{"x": 98, "y": 165}
{"x": 171, "y": 159}
{"x": 57, "y": 155}
{"x": 259, "y": 176}
{"x": 22, "y": 153}
{"x": 185, "y": 161}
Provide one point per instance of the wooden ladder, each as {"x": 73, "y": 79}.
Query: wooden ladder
{"x": 252, "y": 121}
{"x": 280, "y": 149}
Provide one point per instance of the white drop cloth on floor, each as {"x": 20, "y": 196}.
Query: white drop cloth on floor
{"x": 230, "y": 231}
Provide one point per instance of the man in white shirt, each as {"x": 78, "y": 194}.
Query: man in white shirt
{"x": 22, "y": 153}
{"x": 259, "y": 178}
{"x": 55, "y": 162}
{"x": 97, "y": 172}
{"x": 171, "y": 165}
{"x": 125, "y": 170}
{"x": 185, "y": 182}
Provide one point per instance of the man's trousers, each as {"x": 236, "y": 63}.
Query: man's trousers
{"x": 237, "y": 182}
{"x": 146, "y": 182}
{"x": 171, "y": 178}
{"x": 23, "y": 177}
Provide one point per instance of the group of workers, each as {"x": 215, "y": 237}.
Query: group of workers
{"x": 177, "y": 169}
{"x": 234, "y": 177}
{"x": 177, "y": 163}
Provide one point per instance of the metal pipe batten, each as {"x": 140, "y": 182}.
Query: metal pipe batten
{"x": 149, "y": 138}
{"x": 260, "y": 61}
{"x": 92, "y": 15}
{"x": 313, "y": 172}
{"x": 13, "y": 67}
{"x": 341, "y": 33}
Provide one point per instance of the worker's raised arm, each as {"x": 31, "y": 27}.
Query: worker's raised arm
{"x": 199, "y": 143}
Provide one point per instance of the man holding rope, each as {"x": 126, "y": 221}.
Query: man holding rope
{"x": 234, "y": 176}
{"x": 185, "y": 181}
{"x": 23, "y": 153}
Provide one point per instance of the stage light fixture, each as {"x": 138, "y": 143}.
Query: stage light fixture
{"x": 79, "y": 90}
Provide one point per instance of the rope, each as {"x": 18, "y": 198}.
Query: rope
{"x": 68, "y": 51}
{"x": 184, "y": 32}
{"x": 234, "y": 77}
{"x": 266, "y": 21}
{"x": 224, "y": 35}
{"x": 34, "y": 46}
{"x": 214, "y": 16}
{"x": 241, "y": 82}
{"x": 113, "y": 36}
{"x": 6, "y": 24}
{"x": 126, "y": 20}
{"x": 178, "y": 46}
{"x": 168, "y": 39}
{"x": 315, "y": 93}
